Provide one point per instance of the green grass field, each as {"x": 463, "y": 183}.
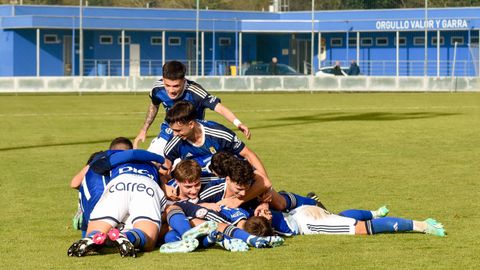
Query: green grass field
{"x": 418, "y": 153}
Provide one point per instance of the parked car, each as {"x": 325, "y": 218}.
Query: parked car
{"x": 264, "y": 69}
{"x": 328, "y": 71}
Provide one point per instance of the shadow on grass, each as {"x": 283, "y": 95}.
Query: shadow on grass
{"x": 105, "y": 141}
{"x": 334, "y": 117}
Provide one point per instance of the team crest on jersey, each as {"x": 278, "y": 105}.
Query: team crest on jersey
{"x": 212, "y": 150}
{"x": 201, "y": 213}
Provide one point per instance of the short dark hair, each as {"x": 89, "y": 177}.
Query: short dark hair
{"x": 220, "y": 163}
{"x": 182, "y": 112}
{"x": 121, "y": 140}
{"x": 187, "y": 171}
{"x": 174, "y": 70}
{"x": 258, "y": 226}
{"x": 241, "y": 172}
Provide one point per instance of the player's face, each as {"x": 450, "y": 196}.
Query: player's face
{"x": 174, "y": 87}
{"x": 184, "y": 131}
{"x": 237, "y": 190}
{"x": 189, "y": 190}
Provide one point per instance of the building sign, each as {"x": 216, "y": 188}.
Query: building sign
{"x": 420, "y": 24}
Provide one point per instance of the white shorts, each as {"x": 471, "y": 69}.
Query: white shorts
{"x": 135, "y": 197}
{"x": 315, "y": 220}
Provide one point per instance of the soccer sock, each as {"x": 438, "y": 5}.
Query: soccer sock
{"x": 419, "y": 226}
{"x": 136, "y": 237}
{"x": 235, "y": 232}
{"x": 357, "y": 214}
{"x": 294, "y": 200}
{"x": 172, "y": 236}
{"x": 207, "y": 241}
{"x": 178, "y": 221}
{"x": 389, "y": 224}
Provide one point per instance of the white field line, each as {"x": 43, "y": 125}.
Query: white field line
{"x": 324, "y": 109}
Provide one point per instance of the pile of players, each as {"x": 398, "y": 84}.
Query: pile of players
{"x": 198, "y": 185}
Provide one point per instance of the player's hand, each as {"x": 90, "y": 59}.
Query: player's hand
{"x": 243, "y": 128}
{"x": 261, "y": 208}
{"x": 171, "y": 193}
{"x": 140, "y": 137}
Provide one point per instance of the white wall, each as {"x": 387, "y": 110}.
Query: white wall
{"x": 246, "y": 83}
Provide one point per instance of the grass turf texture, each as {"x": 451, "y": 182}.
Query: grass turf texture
{"x": 418, "y": 153}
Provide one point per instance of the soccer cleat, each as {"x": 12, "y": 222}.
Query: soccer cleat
{"x": 234, "y": 245}
{"x": 274, "y": 241}
{"x": 203, "y": 229}
{"x": 125, "y": 247}
{"x": 314, "y": 196}
{"x": 434, "y": 227}
{"x": 382, "y": 211}
{"x": 182, "y": 246}
{"x": 85, "y": 245}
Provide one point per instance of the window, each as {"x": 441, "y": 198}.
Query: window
{"x": 156, "y": 41}
{"x": 174, "y": 41}
{"x": 352, "y": 42}
{"x": 106, "y": 40}
{"x": 366, "y": 41}
{"x": 434, "y": 41}
{"x": 402, "y": 41}
{"x": 418, "y": 41}
{"x": 474, "y": 40}
{"x": 127, "y": 40}
{"x": 223, "y": 41}
{"x": 336, "y": 42}
{"x": 381, "y": 41}
{"x": 459, "y": 40}
{"x": 51, "y": 39}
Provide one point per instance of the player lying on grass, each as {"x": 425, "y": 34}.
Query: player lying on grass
{"x": 132, "y": 192}
{"x": 173, "y": 87}
{"x": 315, "y": 220}
{"x": 201, "y": 139}
{"x": 91, "y": 185}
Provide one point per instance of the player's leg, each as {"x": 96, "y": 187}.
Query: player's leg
{"x": 365, "y": 214}
{"x": 252, "y": 240}
{"x": 395, "y": 225}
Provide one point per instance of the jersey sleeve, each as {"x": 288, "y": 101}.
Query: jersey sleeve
{"x": 197, "y": 211}
{"x": 212, "y": 192}
{"x": 233, "y": 145}
{"x": 206, "y": 99}
{"x": 154, "y": 96}
{"x": 134, "y": 155}
{"x": 171, "y": 150}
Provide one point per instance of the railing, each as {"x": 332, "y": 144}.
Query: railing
{"x": 113, "y": 67}
{"x": 413, "y": 68}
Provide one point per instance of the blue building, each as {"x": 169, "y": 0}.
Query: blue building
{"x": 45, "y": 40}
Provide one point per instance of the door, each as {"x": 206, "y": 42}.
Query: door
{"x": 191, "y": 60}
{"x": 134, "y": 60}
{"x": 67, "y": 55}
{"x": 304, "y": 53}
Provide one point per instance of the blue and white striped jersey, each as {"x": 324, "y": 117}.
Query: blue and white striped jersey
{"x": 213, "y": 192}
{"x": 193, "y": 93}
{"x": 216, "y": 138}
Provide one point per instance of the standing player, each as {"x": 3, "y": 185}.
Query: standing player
{"x": 172, "y": 88}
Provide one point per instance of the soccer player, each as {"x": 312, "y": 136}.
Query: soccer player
{"x": 201, "y": 139}
{"x": 172, "y": 88}
{"x": 133, "y": 192}
{"x": 91, "y": 185}
{"x": 315, "y": 220}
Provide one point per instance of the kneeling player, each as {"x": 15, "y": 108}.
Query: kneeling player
{"x": 133, "y": 192}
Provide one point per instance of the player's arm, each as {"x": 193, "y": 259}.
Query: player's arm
{"x": 253, "y": 160}
{"x": 230, "y": 116}
{"x": 260, "y": 186}
{"x": 78, "y": 178}
{"x": 151, "y": 114}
